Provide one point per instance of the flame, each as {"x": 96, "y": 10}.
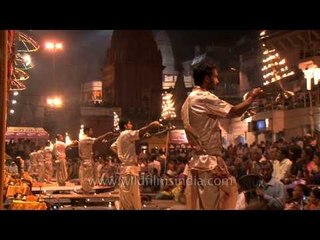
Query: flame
{"x": 81, "y": 132}
{"x": 68, "y": 140}
{"x": 115, "y": 122}
{"x": 168, "y": 110}
{"x": 274, "y": 68}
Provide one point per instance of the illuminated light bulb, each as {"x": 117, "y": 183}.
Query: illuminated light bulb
{"x": 263, "y": 33}
{"x": 308, "y": 74}
{"x": 316, "y": 76}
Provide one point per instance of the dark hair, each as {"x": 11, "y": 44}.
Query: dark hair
{"x": 201, "y": 70}
{"x": 316, "y": 192}
{"x": 86, "y": 129}
{"x": 285, "y": 151}
{"x": 316, "y": 153}
{"x": 295, "y": 151}
{"x": 122, "y": 123}
{"x": 153, "y": 157}
{"x": 248, "y": 184}
{"x": 308, "y": 151}
{"x": 304, "y": 188}
{"x": 267, "y": 163}
{"x": 58, "y": 135}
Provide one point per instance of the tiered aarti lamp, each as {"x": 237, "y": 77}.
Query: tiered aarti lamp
{"x": 274, "y": 69}
{"x": 115, "y": 122}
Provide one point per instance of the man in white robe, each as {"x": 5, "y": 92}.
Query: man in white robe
{"x": 86, "y": 170}
{"x": 59, "y": 153}
{"x": 48, "y": 161}
{"x": 125, "y": 148}
{"x": 209, "y": 184}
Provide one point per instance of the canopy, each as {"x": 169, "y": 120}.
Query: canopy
{"x": 26, "y": 132}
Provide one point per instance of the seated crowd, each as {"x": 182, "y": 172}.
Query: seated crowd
{"x": 280, "y": 175}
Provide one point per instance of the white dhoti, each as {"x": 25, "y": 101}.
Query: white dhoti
{"x": 209, "y": 184}
{"x": 49, "y": 170}
{"x": 129, "y": 190}
{"x": 41, "y": 171}
{"x": 61, "y": 172}
{"x": 86, "y": 175}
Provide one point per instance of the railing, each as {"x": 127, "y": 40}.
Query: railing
{"x": 300, "y": 100}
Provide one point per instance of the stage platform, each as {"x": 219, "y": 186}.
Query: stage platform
{"x": 75, "y": 188}
{"x": 153, "y": 205}
{"x": 71, "y": 197}
{"x": 103, "y": 196}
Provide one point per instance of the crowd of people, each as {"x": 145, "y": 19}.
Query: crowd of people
{"x": 294, "y": 167}
{"x": 205, "y": 175}
{"x": 281, "y": 175}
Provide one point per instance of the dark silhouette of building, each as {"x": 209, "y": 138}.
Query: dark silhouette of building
{"x": 169, "y": 73}
{"x": 132, "y": 77}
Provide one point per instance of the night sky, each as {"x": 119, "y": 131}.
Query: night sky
{"x": 83, "y": 58}
{"x": 85, "y": 51}
{"x": 183, "y": 41}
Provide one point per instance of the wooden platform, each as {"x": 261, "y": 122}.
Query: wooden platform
{"x": 164, "y": 205}
{"x": 73, "y": 201}
{"x": 70, "y": 188}
{"x": 70, "y": 197}
{"x": 106, "y": 196}
{"x": 153, "y": 205}
{"x": 56, "y": 188}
